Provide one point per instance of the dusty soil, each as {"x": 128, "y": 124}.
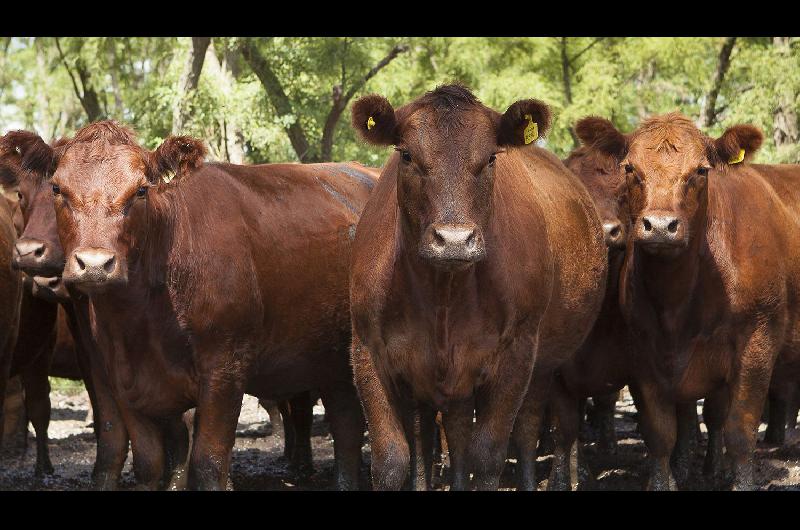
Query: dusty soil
{"x": 258, "y": 462}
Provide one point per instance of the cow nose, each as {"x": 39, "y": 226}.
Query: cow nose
{"x": 615, "y": 233}
{"x": 29, "y": 252}
{"x": 453, "y": 243}
{"x": 93, "y": 264}
{"x": 661, "y": 228}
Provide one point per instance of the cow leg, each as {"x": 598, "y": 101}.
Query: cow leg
{"x": 776, "y": 426}
{"x": 109, "y": 427}
{"x": 37, "y": 406}
{"x": 347, "y": 426}
{"x": 546, "y": 443}
{"x": 497, "y": 404}
{"x": 748, "y": 393}
{"x": 658, "y": 424}
{"x": 534, "y": 417}
{"x": 458, "y": 427}
{"x": 302, "y": 417}
{"x": 603, "y": 420}
{"x": 147, "y": 446}
{"x": 419, "y": 434}
{"x": 287, "y": 426}
{"x": 715, "y": 410}
{"x": 686, "y": 441}
{"x": 565, "y": 409}
{"x": 176, "y": 447}
{"x": 390, "y": 451}
{"x": 216, "y": 417}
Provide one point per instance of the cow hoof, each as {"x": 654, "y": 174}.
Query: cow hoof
{"x": 43, "y": 469}
{"x": 104, "y": 482}
{"x": 301, "y": 471}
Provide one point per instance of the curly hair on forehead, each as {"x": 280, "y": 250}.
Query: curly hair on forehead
{"x": 670, "y": 131}
{"x": 107, "y": 130}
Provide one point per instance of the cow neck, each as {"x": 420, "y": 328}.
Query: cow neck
{"x": 666, "y": 288}
{"x": 433, "y": 288}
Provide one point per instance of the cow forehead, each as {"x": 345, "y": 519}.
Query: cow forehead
{"x": 658, "y": 154}
{"x": 463, "y": 134}
{"x": 100, "y": 164}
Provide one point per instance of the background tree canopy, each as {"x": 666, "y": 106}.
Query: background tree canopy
{"x": 287, "y": 99}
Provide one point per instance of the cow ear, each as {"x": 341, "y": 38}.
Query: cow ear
{"x": 34, "y": 154}
{"x": 599, "y": 133}
{"x": 737, "y": 143}
{"x": 523, "y": 122}
{"x": 374, "y": 119}
{"x": 175, "y": 157}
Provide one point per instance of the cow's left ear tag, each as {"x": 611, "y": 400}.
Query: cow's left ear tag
{"x": 531, "y": 130}
{"x": 370, "y": 123}
{"x": 738, "y": 158}
{"x": 168, "y": 176}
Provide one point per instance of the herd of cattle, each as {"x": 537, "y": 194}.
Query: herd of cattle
{"x": 476, "y": 283}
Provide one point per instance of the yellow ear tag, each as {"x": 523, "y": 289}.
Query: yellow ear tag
{"x": 168, "y": 176}
{"x": 738, "y": 158}
{"x": 531, "y": 130}
{"x": 370, "y": 123}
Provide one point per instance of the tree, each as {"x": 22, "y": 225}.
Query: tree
{"x": 340, "y": 97}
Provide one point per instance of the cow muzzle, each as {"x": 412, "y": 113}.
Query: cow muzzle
{"x": 661, "y": 233}
{"x": 49, "y": 288}
{"x": 452, "y": 246}
{"x": 35, "y": 256}
{"x": 92, "y": 269}
{"x": 614, "y": 232}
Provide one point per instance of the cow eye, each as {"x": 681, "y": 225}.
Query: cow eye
{"x": 56, "y": 189}
{"x": 702, "y": 171}
{"x": 628, "y": 168}
{"x": 492, "y": 160}
{"x": 405, "y": 155}
{"x": 141, "y": 192}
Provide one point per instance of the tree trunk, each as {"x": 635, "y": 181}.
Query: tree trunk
{"x": 785, "y": 127}
{"x": 341, "y": 100}
{"x": 278, "y": 99}
{"x": 86, "y": 94}
{"x": 566, "y": 81}
{"x": 187, "y": 85}
{"x": 233, "y": 143}
{"x": 709, "y": 112}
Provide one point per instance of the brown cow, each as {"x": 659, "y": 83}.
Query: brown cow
{"x": 603, "y": 362}
{"x": 205, "y": 281}
{"x": 10, "y": 299}
{"x": 709, "y": 285}
{"x": 473, "y": 257}
{"x": 38, "y": 252}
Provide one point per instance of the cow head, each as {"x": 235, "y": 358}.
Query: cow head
{"x": 666, "y": 163}
{"x": 447, "y": 145}
{"x": 601, "y": 174}
{"x": 37, "y": 250}
{"x": 101, "y": 186}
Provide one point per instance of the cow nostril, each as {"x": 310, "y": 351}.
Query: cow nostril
{"x": 81, "y": 264}
{"x": 438, "y": 238}
{"x": 53, "y": 281}
{"x": 39, "y": 252}
{"x": 673, "y": 226}
{"x": 109, "y": 265}
{"x": 471, "y": 239}
{"x": 647, "y": 225}
{"x": 615, "y": 231}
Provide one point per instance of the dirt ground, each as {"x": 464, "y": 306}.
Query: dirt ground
{"x": 258, "y": 463}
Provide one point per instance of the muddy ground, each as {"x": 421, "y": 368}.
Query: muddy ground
{"x": 258, "y": 463}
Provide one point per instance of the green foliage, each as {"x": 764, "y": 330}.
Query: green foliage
{"x": 139, "y": 81}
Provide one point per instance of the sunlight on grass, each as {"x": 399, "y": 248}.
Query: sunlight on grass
{"x": 66, "y": 386}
